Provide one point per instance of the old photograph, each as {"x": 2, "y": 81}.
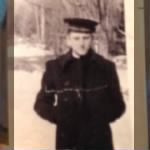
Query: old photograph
{"x": 71, "y": 86}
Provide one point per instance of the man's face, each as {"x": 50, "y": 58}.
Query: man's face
{"x": 79, "y": 42}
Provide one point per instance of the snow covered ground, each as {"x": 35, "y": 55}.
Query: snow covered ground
{"x": 30, "y": 130}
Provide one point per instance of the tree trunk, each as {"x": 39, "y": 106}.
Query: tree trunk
{"x": 42, "y": 24}
{"x": 103, "y": 20}
{"x": 37, "y": 22}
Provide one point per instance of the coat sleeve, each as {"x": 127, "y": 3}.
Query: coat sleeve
{"x": 45, "y": 98}
{"x": 117, "y": 105}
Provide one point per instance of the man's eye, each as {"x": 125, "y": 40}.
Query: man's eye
{"x": 86, "y": 38}
{"x": 76, "y": 38}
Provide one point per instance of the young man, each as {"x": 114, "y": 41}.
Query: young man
{"x": 80, "y": 92}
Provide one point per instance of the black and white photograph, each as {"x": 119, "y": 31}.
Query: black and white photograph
{"x": 71, "y": 75}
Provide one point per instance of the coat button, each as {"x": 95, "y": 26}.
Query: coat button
{"x": 66, "y": 83}
{"x": 65, "y": 99}
{"x": 62, "y": 134}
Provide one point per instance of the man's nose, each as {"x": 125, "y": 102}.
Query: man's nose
{"x": 81, "y": 41}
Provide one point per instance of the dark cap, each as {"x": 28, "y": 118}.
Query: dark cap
{"x": 81, "y": 25}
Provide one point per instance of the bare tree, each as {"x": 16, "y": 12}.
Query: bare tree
{"x": 47, "y": 22}
{"x": 110, "y": 17}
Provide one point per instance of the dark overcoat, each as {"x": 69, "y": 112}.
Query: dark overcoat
{"x": 82, "y": 97}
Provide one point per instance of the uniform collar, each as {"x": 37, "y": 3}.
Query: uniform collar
{"x": 67, "y": 58}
